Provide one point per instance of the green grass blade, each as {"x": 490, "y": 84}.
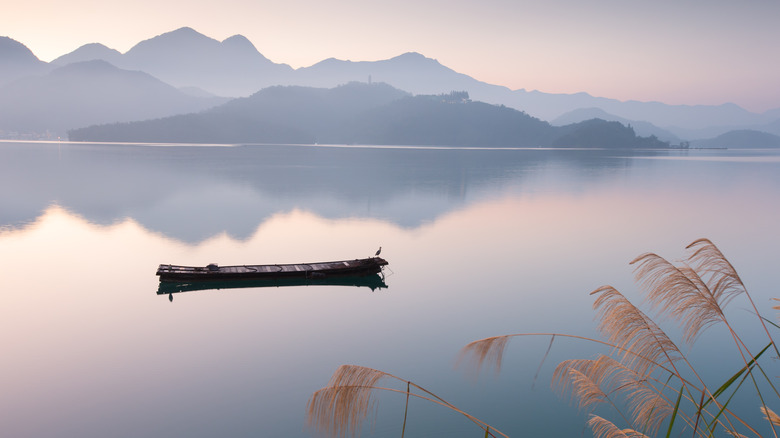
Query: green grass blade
{"x": 733, "y": 378}
{"x": 725, "y": 405}
{"x": 674, "y": 413}
{"x": 774, "y": 324}
{"x": 728, "y": 384}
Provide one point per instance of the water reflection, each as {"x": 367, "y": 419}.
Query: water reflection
{"x": 500, "y": 248}
{"x": 192, "y": 193}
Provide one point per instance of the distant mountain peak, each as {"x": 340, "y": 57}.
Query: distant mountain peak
{"x": 17, "y": 61}
{"x": 88, "y": 52}
{"x": 332, "y": 60}
{"x": 95, "y": 46}
{"x": 414, "y": 57}
{"x": 240, "y": 43}
{"x": 237, "y": 39}
{"x": 186, "y": 30}
{"x": 12, "y": 49}
{"x": 178, "y": 37}
{"x": 234, "y": 67}
{"x": 741, "y": 138}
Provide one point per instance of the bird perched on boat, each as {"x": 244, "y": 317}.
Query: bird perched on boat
{"x": 378, "y": 251}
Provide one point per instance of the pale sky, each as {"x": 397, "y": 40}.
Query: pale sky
{"x": 673, "y": 51}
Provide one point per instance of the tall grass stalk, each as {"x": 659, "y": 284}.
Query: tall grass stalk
{"x": 648, "y": 368}
{"x": 340, "y": 408}
{"x": 646, "y": 378}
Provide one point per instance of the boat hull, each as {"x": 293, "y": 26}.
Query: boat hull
{"x": 371, "y": 281}
{"x": 318, "y": 270}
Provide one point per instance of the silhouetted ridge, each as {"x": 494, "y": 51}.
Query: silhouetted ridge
{"x": 89, "y": 92}
{"x": 239, "y": 42}
{"x": 89, "y": 52}
{"x": 279, "y": 114}
{"x": 189, "y": 60}
{"x": 641, "y": 128}
{"x": 332, "y": 61}
{"x": 439, "y": 121}
{"x": 181, "y": 36}
{"x": 604, "y": 134}
{"x": 186, "y": 58}
{"x": 239, "y": 45}
{"x": 362, "y": 113}
{"x": 17, "y": 61}
{"x": 14, "y": 51}
{"x": 178, "y": 45}
{"x": 413, "y": 58}
{"x": 741, "y": 138}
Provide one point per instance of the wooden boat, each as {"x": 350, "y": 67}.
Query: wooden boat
{"x": 318, "y": 270}
{"x": 372, "y": 281}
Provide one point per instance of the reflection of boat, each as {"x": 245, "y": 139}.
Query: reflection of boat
{"x": 373, "y": 282}
{"x": 306, "y": 271}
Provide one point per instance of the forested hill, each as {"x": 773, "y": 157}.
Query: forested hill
{"x": 361, "y": 113}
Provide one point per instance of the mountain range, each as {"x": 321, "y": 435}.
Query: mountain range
{"x": 201, "y": 70}
{"x": 362, "y": 113}
{"x": 91, "y": 92}
{"x": 17, "y": 61}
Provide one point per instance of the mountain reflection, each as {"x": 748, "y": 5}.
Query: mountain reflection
{"x": 194, "y": 192}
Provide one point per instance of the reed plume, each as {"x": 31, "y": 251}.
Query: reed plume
{"x": 712, "y": 266}
{"x": 636, "y": 379}
{"x": 770, "y": 416}
{"x": 587, "y": 380}
{"x": 603, "y": 428}
{"x": 720, "y": 276}
{"x": 587, "y": 391}
{"x": 644, "y": 345}
{"x": 644, "y": 358}
{"x": 678, "y": 292}
{"x": 648, "y": 407}
{"x": 341, "y": 407}
{"x": 488, "y": 350}
{"x": 593, "y": 382}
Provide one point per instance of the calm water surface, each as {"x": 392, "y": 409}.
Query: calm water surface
{"x": 480, "y": 243}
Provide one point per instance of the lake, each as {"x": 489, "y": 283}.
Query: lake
{"x": 480, "y": 243}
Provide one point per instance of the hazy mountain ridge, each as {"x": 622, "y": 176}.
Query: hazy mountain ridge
{"x": 437, "y": 120}
{"x": 90, "y": 52}
{"x": 755, "y": 136}
{"x": 184, "y": 57}
{"x": 90, "y": 92}
{"x": 187, "y": 59}
{"x": 411, "y": 72}
{"x": 604, "y": 134}
{"x": 642, "y": 128}
{"x": 743, "y": 138}
{"x": 290, "y": 114}
{"x": 17, "y": 61}
{"x": 361, "y": 113}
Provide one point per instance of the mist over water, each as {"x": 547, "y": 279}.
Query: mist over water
{"x": 480, "y": 243}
